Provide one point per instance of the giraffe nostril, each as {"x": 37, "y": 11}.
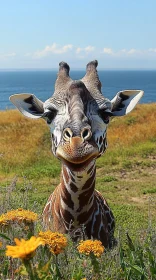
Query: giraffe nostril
{"x": 86, "y": 133}
{"x": 67, "y": 134}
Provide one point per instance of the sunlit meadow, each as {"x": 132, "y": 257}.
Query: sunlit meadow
{"x": 125, "y": 176}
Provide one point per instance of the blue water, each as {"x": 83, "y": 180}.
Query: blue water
{"x": 41, "y": 83}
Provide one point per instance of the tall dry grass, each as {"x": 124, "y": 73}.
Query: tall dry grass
{"x": 23, "y": 140}
{"x": 19, "y": 137}
{"x": 137, "y": 127}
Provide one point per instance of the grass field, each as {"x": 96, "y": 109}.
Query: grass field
{"x": 126, "y": 173}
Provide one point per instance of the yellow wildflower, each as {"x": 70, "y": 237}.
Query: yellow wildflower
{"x": 81, "y": 279}
{"x": 24, "y": 249}
{"x": 91, "y": 246}
{"x": 18, "y": 215}
{"x": 56, "y": 241}
{"x": 1, "y": 244}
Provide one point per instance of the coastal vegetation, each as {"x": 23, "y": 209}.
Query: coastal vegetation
{"x": 125, "y": 176}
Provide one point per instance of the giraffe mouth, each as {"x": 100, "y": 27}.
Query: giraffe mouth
{"x": 78, "y": 166}
{"x": 77, "y": 154}
{"x": 76, "y": 162}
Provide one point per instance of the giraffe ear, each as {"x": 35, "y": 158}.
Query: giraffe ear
{"x": 28, "y": 104}
{"x": 125, "y": 101}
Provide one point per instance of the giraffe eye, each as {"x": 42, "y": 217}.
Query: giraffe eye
{"x": 50, "y": 115}
{"x": 105, "y": 115}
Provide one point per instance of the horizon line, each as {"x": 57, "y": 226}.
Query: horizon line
{"x": 77, "y": 69}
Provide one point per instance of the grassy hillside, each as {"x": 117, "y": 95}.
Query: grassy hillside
{"x": 126, "y": 176}
{"x": 125, "y": 173}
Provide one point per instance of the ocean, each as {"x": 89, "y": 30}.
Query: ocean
{"x": 41, "y": 83}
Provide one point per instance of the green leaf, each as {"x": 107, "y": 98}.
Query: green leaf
{"x": 130, "y": 242}
{"x": 4, "y": 236}
{"x": 2, "y": 251}
{"x": 139, "y": 271}
{"x": 22, "y": 270}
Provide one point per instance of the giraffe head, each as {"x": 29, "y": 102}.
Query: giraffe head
{"x": 77, "y": 114}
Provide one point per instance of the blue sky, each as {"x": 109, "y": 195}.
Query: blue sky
{"x": 41, "y": 33}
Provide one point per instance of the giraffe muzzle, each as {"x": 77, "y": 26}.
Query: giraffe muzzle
{"x": 78, "y": 149}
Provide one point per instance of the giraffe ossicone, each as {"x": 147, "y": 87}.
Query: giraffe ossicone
{"x": 78, "y": 115}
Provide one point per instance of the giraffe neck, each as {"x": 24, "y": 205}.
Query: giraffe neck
{"x": 77, "y": 195}
{"x": 75, "y": 207}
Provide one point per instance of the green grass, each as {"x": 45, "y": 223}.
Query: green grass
{"x": 42, "y": 169}
{"x": 150, "y": 191}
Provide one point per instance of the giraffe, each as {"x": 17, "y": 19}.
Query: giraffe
{"x": 78, "y": 115}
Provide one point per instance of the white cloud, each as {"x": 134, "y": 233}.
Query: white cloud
{"x": 53, "y": 49}
{"x": 140, "y": 52}
{"x": 120, "y": 52}
{"x": 132, "y": 51}
{"x": 10, "y": 54}
{"x": 152, "y": 50}
{"x": 87, "y": 49}
{"x": 123, "y": 51}
{"x": 70, "y": 51}
{"x": 7, "y": 55}
{"x": 108, "y": 51}
{"x": 78, "y": 50}
{"x": 82, "y": 52}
